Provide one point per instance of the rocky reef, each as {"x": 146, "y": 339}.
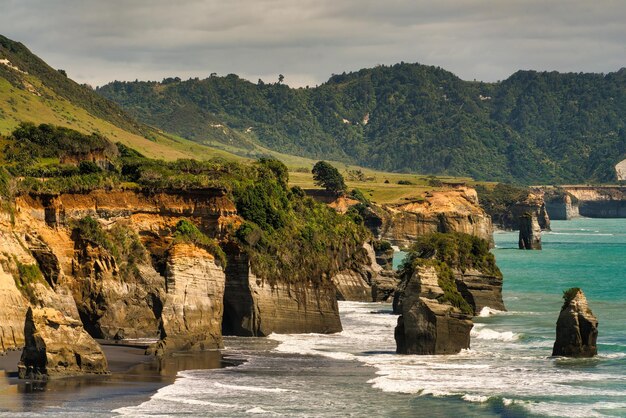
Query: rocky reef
{"x": 446, "y": 279}
{"x": 576, "y": 328}
{"x": 529, "y": 232}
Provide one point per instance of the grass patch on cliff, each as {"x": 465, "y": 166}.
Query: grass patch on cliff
{"x": 120, "y": 241}
{"x": 27, "y": 275}
{"x": 187, "y": 232}
{"x": 448, "y": 252}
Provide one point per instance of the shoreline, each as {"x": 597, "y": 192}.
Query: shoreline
{"x": 134, "y": 378}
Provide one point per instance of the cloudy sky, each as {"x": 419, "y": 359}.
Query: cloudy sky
{"x": 308, "y": 40}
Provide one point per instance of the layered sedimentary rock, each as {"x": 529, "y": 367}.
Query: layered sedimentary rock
{"x": 567, "y": 202}
{"x": 351, "y": 285}
{"x": 576, "y": 328}
{"x": 450, "y": 210}
{"x": 533, "y": 204}
{"x": 115, "y": 304}
{"x": 426, "y": 325}
{"x": 57, "y": 345}
{"x": 256, "y": 307}
{"x": 561, "y": 205}
{"x": 481, "y": 290}
{"x": 529, "y": 232}
{"x": 193, "y": 308}
{"x": 210, "y": 207}
{"x": 12, "y": 313}
{"x": 365, "y": 280}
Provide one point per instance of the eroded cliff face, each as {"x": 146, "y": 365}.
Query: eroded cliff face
{"x": 57, "y": 345}
{"x": 44, "y": 264}
{"x": 567, "y": 202}
{"x": 533, "y": 204}
{"x": 193, "y": 307}
{"x": 256, "y": 307}
{"x": 451, "y": 210}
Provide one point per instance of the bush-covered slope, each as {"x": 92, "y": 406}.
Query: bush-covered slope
{"x": 531, "y": 128}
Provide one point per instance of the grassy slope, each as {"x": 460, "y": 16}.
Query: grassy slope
{"x": 19, "y": 105}
{"x": 25, "y": 97}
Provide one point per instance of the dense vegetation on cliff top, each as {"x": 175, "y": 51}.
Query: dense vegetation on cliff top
{"x": 286, "y": 234}
{"x": 448, "y": 253}
{"x": 531, "y": 128}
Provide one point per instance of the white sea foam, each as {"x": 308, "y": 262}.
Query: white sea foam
{"x": 487, "y": 311}
{"x": 259, "y": 410}
{"x": 482, "y": 333}
{"x": 251, "y": 388}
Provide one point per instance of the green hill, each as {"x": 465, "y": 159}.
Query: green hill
{"x": 531, "y": 128}
{"x": 32, "y": 91}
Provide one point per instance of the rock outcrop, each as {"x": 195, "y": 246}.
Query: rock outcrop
{"x": 426, "y": 325}
{"x": 193, "y": 308}
{"x": 480, "y": 289}
{"x": 112, "y": 302}
{"x": 590, "y": 201}
{"x": 576, "y": 328}
{"x": 560, "y": 204}
{"x": 532, "y": 204}
{"x": 256, "y": 307}
{"x": 12, "y": 313}
{"x": 351, "y": 285}
{"x": 57, "y": 345}
{"x": 529, "y": 232}
{"x": 449, "y": 210}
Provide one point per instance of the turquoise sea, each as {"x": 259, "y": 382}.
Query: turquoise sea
{"x": 508, "y": 372}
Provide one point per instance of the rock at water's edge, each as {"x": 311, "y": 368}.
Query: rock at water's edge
{"x": 57, "y": 345}
{"x": 430, "y": 327}
{"x": 529, "y": 232}
{"x": 427, "y": 326}
{"x": 576, "y": 328}
{"x": 193, "y": 308}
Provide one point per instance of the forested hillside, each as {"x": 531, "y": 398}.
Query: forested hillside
{"x": 531, "y": 128}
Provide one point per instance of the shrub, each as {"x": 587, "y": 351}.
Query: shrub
{"x": 186, "y": 231}
{"x": 448, "y": 252}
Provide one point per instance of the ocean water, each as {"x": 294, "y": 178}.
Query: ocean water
{"x": 508, "y": 372}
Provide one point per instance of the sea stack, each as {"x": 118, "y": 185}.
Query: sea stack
{"x": 428, "y": 326}
{"x": 57, "y": 345}
{"x": 529, "y": 232}
{"x": 576, "y": 328}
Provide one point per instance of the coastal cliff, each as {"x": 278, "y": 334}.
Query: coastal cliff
{"x": 115, "y": 262}
{"x": 567, "y": 202}
{"x": 255, "y": 307}
{"x": 446, "y": 210}
{"x": 506, "y": 204}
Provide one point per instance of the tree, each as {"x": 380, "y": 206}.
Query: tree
{"x": 328, "y": 177}
{"x": 281, "y": 78}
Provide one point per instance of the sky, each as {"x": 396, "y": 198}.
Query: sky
{"x": 309, "y": 40}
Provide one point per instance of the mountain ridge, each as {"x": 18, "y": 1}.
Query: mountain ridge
{"x": 534, "y": 127}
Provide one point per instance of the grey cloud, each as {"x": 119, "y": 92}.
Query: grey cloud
{"x": 307, "y": 40}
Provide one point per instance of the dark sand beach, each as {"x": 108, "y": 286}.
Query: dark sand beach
{"x": 133, "y": 379}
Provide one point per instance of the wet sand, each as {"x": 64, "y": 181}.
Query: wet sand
{"x": 133, "y": 379}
